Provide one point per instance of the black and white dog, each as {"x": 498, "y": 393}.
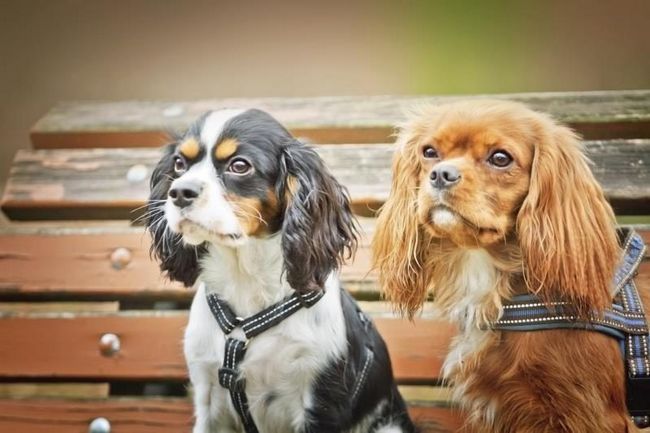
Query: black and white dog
{"x": 273, "y": 344}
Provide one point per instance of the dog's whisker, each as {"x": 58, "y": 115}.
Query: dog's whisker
{"x": 243, "y": 212}
{"x": 149, "y": 214}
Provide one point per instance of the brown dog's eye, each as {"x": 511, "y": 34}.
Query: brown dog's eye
{"x": 500, "y": 159}
{"x": 179, "y": 165}
{"x": 239, "y": 166}
{"x": 429, "y": 152}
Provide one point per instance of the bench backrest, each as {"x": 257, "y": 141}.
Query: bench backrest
{"x": 91, "y": 161}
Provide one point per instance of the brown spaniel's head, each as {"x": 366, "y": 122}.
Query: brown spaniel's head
{"x": 484, "y": 174}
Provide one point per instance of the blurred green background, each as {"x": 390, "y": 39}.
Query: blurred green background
{"x": 52, "y": 50}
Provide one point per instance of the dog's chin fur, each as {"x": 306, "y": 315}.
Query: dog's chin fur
{"x": 195, "y": 234}
{"x": 541, "y": 225}
{"x": 444, "y": 222}
{"x": 253, "y": 239}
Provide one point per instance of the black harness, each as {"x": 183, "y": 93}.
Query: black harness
{"x": 229, "y": 374}
{"x": 625, "y": 321}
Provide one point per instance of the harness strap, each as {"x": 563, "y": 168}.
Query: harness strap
{"x": 528, "y": 313}
{"x": 229, "y": 378}
{"x": 625, "y": 321}
{"x": 636, "y": 346}
{"x": 368, "y": 357}
{"x": 265, "y": 319}
{"x": 633, "y": 253}
{"x": 229, "y": 374}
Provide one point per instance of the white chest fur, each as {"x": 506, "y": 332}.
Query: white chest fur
{"x": 280, "y": 364}
{"x": 475, "y": 298}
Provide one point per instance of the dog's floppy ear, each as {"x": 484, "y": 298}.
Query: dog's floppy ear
{"x": 400, "y": 244}
{"x": 565, "y": 226}
{"x": 179, "y": 261}
{"x": 318, "y": 231}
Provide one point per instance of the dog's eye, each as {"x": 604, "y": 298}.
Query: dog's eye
{"x": 429, "y": 152}
{"x": 239, "y": 166}
{"x": 500, "y": 159}
{"x": 179, "y": 165}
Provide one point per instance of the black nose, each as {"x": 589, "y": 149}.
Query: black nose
{"x": 444, "y": 176}
{"x": 183, "y": 194}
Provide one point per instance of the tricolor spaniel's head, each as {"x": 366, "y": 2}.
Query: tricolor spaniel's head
{"x": 239, "y": 174}
{"x": 493, "y": 175}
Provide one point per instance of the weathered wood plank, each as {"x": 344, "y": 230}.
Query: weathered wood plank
{"x": 125, "y": 415}
{"x": 75, "y": 263}
{"x": 356, "y": 119}
{"x": 59, "y": 307}
{"x": 66, "y": 347}
{"x": 55, "y": 390}
{"x": 80, "y": 264}
{"x": 150, "y": 415}
{"x": 103, "y": 183}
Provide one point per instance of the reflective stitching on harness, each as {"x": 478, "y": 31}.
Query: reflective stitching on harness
{"x": 289, "y": 303}
{"x": 223, "y": 315}
{"x": 364, "y": 371}
{"x": 220, "y": 317}
{"x": 642, "y": 421}
{"x": 293, "y": 300}
{"x": 625, "y": 321}
{"x": 259, "y": 325}
{"x": 266, "y": 317}
{"x": 629, "y": 268}
{"x": 235, "y": 349}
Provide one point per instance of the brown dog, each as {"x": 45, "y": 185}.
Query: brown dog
{"x": 489, "y": 200}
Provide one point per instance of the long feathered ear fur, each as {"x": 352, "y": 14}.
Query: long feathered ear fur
{"x": 565, "y": 226}
{"x": 400, "y": 245}
{"x": 177, "y": 260}
{"x": 319, "y": 231}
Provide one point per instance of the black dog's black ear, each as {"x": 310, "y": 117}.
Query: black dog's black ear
{"x": 319, "y": 231}
{"x": 179, "y": 261}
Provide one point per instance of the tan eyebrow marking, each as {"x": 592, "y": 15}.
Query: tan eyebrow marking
{"x": 225, "y": 149}
{"x": 190, "y": 148}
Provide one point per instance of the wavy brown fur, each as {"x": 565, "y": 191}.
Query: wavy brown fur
{"x": 541, "y": 226}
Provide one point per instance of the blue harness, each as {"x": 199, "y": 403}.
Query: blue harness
{"x": 625, "y": 321}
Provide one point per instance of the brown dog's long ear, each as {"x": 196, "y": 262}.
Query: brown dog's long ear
{"x": 399, "y": 242}
{"x": 565, "y": 226}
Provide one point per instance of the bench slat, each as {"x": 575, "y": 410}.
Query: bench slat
{"x": 126, "y": 415}
{"x": 65, "y": 347}
{"x": 58, "y": 390}
{"x": 95, "y": 183}
{"x": 75, "y": 263}
{"x": 149, "y": 415}
{"x": 356, "y": 119}
{"x": 80, "y": 264}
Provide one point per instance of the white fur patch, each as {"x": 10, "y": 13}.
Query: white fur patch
{"x": 364, "y": 425}
{"x": 389, "y": 429}
{"x": 281, "y": 363}
{"x": 210, "y": 217}
{"x": 213, "y": 126}
{"x": 474, "y": 286}
{"x": 443, "y": 217}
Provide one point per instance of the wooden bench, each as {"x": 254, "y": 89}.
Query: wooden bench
{"x": 66, "y": 281}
